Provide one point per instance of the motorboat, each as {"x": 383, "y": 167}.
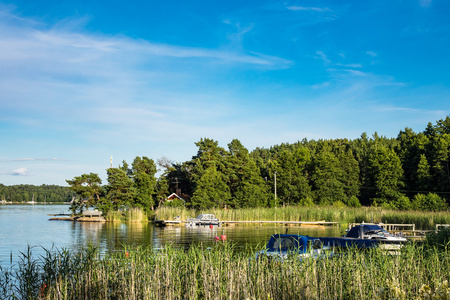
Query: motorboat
{"x": 373, "y": 232}
{"x": 203, "y": 219}
{"x": 282, "y": 246}
{"x": 366, "y": 236}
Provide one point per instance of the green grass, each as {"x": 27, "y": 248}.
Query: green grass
{"x": 423, "y": 220}
{"x": 223, "y": 273}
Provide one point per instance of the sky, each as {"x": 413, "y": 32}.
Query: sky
{"x": 81, "y": 81}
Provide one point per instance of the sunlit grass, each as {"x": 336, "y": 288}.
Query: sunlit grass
{"x": 136, "y": 215}
{"x": 224, "y": 273}
{"x": 344, "y": 216}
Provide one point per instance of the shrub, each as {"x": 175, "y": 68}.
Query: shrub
{"x": 428, "y": 202}
{"x": 439, "y": 239}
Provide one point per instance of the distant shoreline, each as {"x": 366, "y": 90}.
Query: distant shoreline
{"x": 34, "y": 203}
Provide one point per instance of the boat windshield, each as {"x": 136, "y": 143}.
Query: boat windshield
{"x": 284, "y": 244}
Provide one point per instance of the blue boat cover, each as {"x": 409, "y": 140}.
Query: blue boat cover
{"x": 289, "y": 242}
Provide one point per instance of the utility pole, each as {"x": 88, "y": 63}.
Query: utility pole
{"x": 177, "y": 190}
{"x": 275, "y": 187}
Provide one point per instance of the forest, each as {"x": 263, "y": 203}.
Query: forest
{"x": 41, "y": 194}
{"x": 411, "y": 171}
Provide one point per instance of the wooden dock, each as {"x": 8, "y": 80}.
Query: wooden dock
{"x": 299, "y": 223}
{"x": 231, "y": 223}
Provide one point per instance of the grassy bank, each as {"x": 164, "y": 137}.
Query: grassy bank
{"x": 222, "y": 273}
{"x": 423, "y": 220}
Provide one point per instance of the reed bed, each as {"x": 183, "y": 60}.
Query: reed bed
{"x": 223, "y": 273}
{"x": 136, "y": 214}
{"x": 346, "y": 215}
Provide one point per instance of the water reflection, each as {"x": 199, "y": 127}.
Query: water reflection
{"x": 22, "y": 225}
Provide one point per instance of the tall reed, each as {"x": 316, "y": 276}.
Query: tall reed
{"x": 345, "y": 215}
{"x": 114, "y": 216}
{"x": 136, "y": 214}
{"x": 224, "y": 273}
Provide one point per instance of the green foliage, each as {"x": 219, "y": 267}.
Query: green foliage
{"x": 370, "y": 171}
{"x": 143, "y": 172}
{"x": 174, "y": 203}
{"x": 247, "y": 187}
{"x": 439, "y": 240}
{"x": 328, "y": 187}
{"x": 353, "y": 202}
{"x": 120, "y": 191}
{"x": 428, "y": 202}
{"x": 211, "y": 190}
{"x": 308, "y": 201}
{"x": 88, "y": 188}
{"x": 292, "y": 171}
{"x": 227, "y": 272}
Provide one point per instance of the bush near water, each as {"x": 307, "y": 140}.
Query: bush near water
{"x": 420, "y": 271}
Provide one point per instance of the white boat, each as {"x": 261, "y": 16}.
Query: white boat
{"x": 203, "y": 219}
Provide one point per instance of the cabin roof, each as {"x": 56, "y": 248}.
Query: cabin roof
{"x": 174, "y": 196}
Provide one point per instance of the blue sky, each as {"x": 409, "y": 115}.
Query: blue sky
{"x": 83, "y": 80}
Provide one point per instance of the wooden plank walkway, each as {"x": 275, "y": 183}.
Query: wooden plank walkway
{"x": 226, "y": 223}
{"x": 322, "y": 223}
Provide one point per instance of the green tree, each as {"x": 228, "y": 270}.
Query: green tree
{"x": 143, "y": 173}
{"x": 440, "y": 162}
{"x": 326, "y": 178}
{"x": 88, "y": 188}
{"x": 247, "y": 187}
{"x": 292, "y": 176}
{"x": 209, "y": 154}
{"x": 386, "y": 173}
{"x": 349, "y": 177}
{"x": 423, "y": 174}
{"x": 211, "y": 190}
{"x": 120, "y": 190}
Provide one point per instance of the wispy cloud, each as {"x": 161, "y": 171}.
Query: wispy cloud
{"x": 39, "y": 159}
{"x": 95, "y": 78}
{"x": 309, "y": 8}
{"x": 17, "y": 172}
{"x": 322, "y": 56}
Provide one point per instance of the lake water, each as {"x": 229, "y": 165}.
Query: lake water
{"x": 23, "y": 225}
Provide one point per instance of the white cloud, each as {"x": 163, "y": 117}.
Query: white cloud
{"x": 39, "y": 159}
{"x": 17, "y": 172}
{"x": 308, "y": 8}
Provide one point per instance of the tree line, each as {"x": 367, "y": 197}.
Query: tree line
{"x": 411, "y": 171}
{"x": 41, "y": 194}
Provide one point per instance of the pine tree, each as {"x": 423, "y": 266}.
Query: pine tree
{"x": 120, "y": 191}
{"x": 247, "y": 187}
{"x": 143, "y": 172}
{"x": 211, "y": 190}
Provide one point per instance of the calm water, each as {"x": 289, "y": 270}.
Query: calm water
{"x": 23, "y": 225}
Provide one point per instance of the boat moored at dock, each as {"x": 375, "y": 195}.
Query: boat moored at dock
{"x": 366, "y": 236}
{"x": 203, "y": 219}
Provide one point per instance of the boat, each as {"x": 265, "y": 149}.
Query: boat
{"x": 282, "y": 246}
{"x": 203, "y": 219}
{"x": 366, "y": 236}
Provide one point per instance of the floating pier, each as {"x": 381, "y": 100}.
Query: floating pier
{"x": 227, "y": 223}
